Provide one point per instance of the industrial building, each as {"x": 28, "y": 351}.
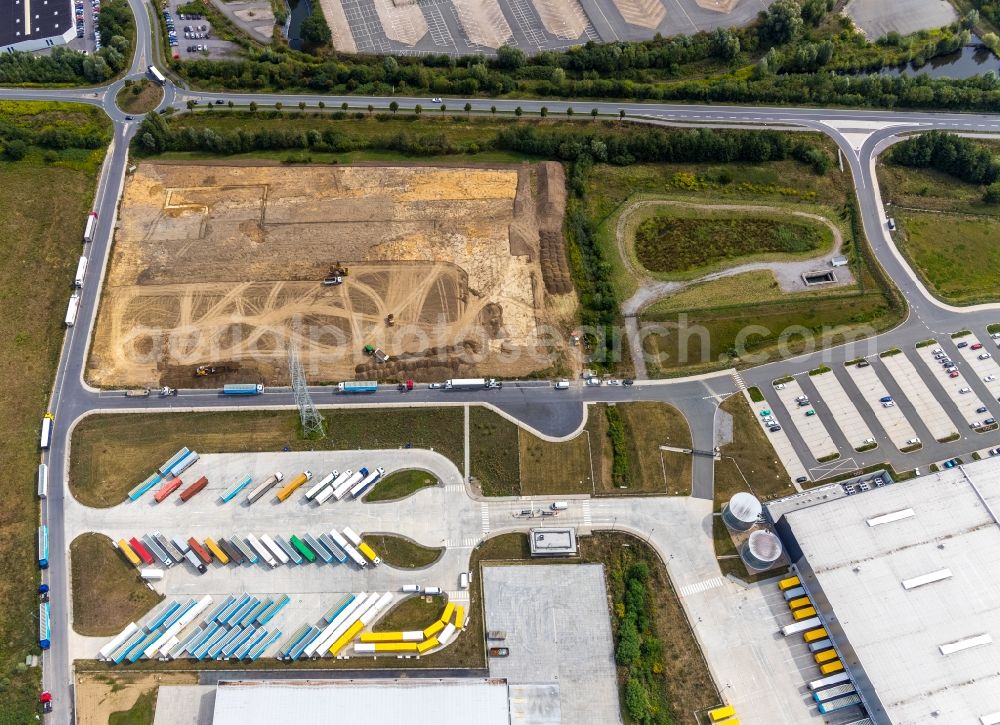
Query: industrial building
{"x": 35, "y": 24}
{"x": 905, "y": 580}
{"x": 553, "y": 542}
{"x": 373, "y": 702}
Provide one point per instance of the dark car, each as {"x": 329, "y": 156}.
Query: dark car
{"x": 499, "y": 651}
{"x": 962, "y": 344}
{"x": 981, "y": 409}
{"x": 801, "y": 479}
{"x": 775, "y": 428}
{"x": 989, "y": 421}
{"x": 628, "y": 381}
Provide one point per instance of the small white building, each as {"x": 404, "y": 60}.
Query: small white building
{"x": 838, "y": 262}
{"x": 29, "y": 25}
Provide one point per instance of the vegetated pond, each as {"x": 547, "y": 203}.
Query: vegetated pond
{"x": 971, "y": 60}
{"x": 300, "y": 10}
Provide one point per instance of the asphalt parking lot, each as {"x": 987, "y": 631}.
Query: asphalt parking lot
{"x": 927, "y": 407}
{"x": 957, "y": 388}
{"x": 845, "y": 414}
{"x": 811, "y": 427}
{"x": 983, "y": 369}
{"x": 213, "y": 47}
{"x": 892, "y": 420}
{"x": 782, "y": 446}
{"x": 558, "y": 633}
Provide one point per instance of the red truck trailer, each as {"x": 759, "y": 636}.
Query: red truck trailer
{"x": 194, "y": 488}
{"x": 199, "y": 550}
{"x": 168, "y": 488}
{"x": 140, "y": 549}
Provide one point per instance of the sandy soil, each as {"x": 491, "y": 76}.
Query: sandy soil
{"x": 404, "y": 24}
{"x": 97, "y": 696}
{"x": 222, "y": 264}
{"x": 483, "y": 22}
{"x": 343, "y": 39}
{"x": 644, "y": 13}
{"x": 563, "y": 18}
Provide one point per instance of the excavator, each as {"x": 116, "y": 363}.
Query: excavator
{"x": 336, "y": 275}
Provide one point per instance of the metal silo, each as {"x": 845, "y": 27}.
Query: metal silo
{"x": 742, "y": 511}
{"x": 761, "y": 550}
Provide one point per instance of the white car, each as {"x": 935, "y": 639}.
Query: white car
{"x": 995, "y": 335}
{"x": 614, "y": 381}
{"x": 913, "y": 441}
{"x": 593, "y": 381}
{"x": 435, "y": 100}
{"x": 779, "y": 386}
{"x": 989, "y": 378}
{"x": 435, "y": 386}
{"x": 985, "y": 356}
{"x": 888, "y": 404}
{"x": 975, "y": 424}
{"x": 965, "y": 390}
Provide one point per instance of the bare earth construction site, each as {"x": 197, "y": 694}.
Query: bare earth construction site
{"x": 223, "y": 265}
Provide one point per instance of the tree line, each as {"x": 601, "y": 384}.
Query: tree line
{"x": 959, "y": 157}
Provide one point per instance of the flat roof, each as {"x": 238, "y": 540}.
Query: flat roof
{"x": 911, "y": 573}
{"x": 553, "y": 542}
{"x": 372, "y": 702}
{"x": 22, "y": 20}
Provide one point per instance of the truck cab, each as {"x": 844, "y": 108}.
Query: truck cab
{"x": 405, "y": 386}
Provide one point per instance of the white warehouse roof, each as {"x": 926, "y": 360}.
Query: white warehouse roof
{"x": 910, "y": 574}
{"x": 372, "y": 702}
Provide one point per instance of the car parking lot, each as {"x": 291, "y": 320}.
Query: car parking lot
{"x": 193, "y": 35}
{"x": 779, "y": 439}
{"x": 984, "y": 368}
{"x": 811, "y": 428}
{"x": 961, "y": 394}
{"x": 914, "y": 387}
{"x": 845, "y": 414}
{"x": 892, "y": 420}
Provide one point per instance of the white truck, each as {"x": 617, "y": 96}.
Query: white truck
{"x": 473, "y": 384}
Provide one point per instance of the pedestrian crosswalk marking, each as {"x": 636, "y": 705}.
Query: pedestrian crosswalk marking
{"x": 703, "y": 586}
{"x": 586, "y": 514}
{"x": 485, "y": 509}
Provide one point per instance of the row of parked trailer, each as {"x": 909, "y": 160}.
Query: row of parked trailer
{"x": 834, "y": 691}
{"x": 227, "y": 632}
{"x": 169, "y": 475}
{"x": 330, "y": 548}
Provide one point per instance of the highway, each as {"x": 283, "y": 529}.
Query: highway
{"x": 860, "y": 134}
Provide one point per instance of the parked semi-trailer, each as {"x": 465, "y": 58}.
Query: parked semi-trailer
{"x": 279, "y": 555}
{"x": 289, "y": 488}
{"x": 43, "y": 547}
{"x": 231, "y": 551}
{"x": 141, "y": 550}
{"x": 118, "y": 641}
{"x": 216, "y": 551}
{"x": 199, "y": 550}
{"x": 173, "y": 461}
{"x": 242, "y": 389}
{"x": 324, "y": 495}
{"x": 43, "y": 480}
{"x": 46, "y": 435}
{"x": 192, "y": 490}
{"x": 472, "y": 384}
{"x": 238, "y": 485}
{"x": 249, "y": 554}
{"x": 136, "y": 493}
{"x": 290, "y": 551}
{"x": 365, "y": 550}
{"x": 340, "y": 491}
{"x": 166, "y": 489}
{"x": 305, "y": 551}
{"x": 262, "y": 550}
{"x": 367, "y": 482}
{"x": 44, "y": 626}
{"x": 164, "y": 544}
{"x": 357, "y": 386}
{"x": 348, "y": 549}
{"x": 72, "y": 309}
{"x": 185, "y": 463}
{"x": 126, "y": 550}
{"x": 334, "y": 548}
{"x": 194, "y": 561}
{"x": 158, "y": 551}
{"x": 323, "y": 483}
{"x": 258, "y": 493}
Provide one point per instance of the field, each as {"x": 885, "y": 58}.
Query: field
{"x": 107, "y": 590}
{"x": 747, "y": 463}
{"x": 44, "y": 203}
{"x": 450, "y": 271}
{"x": 678, "y": 240}
{"x": 508, "y": 461}
{"x": 946, "y": 232}
{"x": 123, "y": 698}
{"x": 745, "y": 319}
{"x": 112, "y": 453}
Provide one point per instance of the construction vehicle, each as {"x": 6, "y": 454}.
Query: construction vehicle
{"x": 336, "y": 275}
{"x": 390, "y": 320}
{"x": 203, "y": 370}
{"x": 377, "y": 353}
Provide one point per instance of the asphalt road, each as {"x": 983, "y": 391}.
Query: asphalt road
{"x": 551, "y": 412}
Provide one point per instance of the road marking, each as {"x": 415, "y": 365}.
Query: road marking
{"x": 485, "y": 511}
{"x": 740, "y": 383}
{"x": 462, "y": 595}
{"x": 586, "y": 514}
{"x": 703, "y": 586}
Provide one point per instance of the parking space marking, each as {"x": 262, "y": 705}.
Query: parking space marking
{"x": 967, "y": 403}
{"x": 782, "y": 446}
{"x": 811, "y": 428}
{"x": 833, "y": 468}
{"x": 927, "y": 406}
{"x": 846, "y": 415}
{"x": 892, "y": 420}
{"x": 702, "y": 586}
{"x": 983, "y": 368}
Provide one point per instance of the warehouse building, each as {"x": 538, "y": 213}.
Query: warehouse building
{"x": 906, "y": 580}
{"x": 35, "y": 24}
{"x": 372, "y": 702}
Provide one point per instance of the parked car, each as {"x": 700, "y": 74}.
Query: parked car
{"x": 989, "y": 421}
{"x": 951, "y": 463}
{"x": 779, "y": 386}
{"x": 989, "y": 378}
{"x": 593, "y": 381}
{"x": 985, "y": 356}
{"x": 976, "y": 346}
{"x": 810, "y": 413}
{"x": 802, "y": 398}
{"x": 953, "y": 374}
{"x": 614, "y": 381}
{"x": 628, "y": 381}
{"x": 885, "y": 399}
{"x": 775, "y": 428}
{"x": 801, "y": 479}
{"x": 889, "y": 404}
{"x": 913, "y": 441}
{"x": 994, "y": 451}
{"x": 963, "y": 343}
{"x": 499, "y": 651}
{"x": 981, "y": 409}
{"x": 435, "y": 386}
{"x": 764, "y": 413}
{"x": 803, "y": 403}
{"x": 975, "y": 424}
{"x": 863, "y": 364}
{"x": 937, "y": 351}
{"x": 965, "y": 390}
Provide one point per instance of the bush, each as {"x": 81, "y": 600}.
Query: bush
{"x": 992, "y": 194}
{"x": 16, "y": 150}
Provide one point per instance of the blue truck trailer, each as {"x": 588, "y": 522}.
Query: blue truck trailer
{"x": 242, "y": 389}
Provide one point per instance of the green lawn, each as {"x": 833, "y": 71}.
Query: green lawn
{"x": 141, "y": 713}
{"x": 43, "y": 206}
{"x": 412, "y": 613}
{"x": 400, "y": 485}
{"x": 402, "y": 553}
{"x": 494, "y": 453}
{"x": 677, "y": 240}
{"x": 946, "y": 231}
{"x": 113, "y": 453}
